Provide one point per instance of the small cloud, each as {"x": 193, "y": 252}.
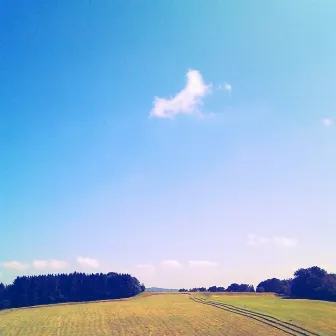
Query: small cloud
{"x": 88, "y": 262}
{"x": 225, "y": 87}
{"x": 327, "y": 122}
{"x": 40, "y": 264}
{"x": 281, "y": 241}
{"x": 202, "y": 263}
{"x": 254, "y": 240}
{"x": 171, "y": 263}
{"x": 15, "y": 265}
{"x": 184, "y": 102}
{"x": 57, "y": 264}
{"x": 49, "y": 264}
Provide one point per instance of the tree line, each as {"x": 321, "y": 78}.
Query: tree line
{"x": 232, "y": 288}
{"x": 312, "y": 283}
{"x": 60, "y": 288}
{"x": 308, "y": 283}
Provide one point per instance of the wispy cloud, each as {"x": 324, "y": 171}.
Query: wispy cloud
{"x": 40, "y": 264}
{"x": 225, "y": 87}
{"x": 327, "y": 122}
{"x": 285, "y": 241}
{"x": 254, "y": 240}
{"x": 186, "y": 101}
{"x": 88, "y": 262}
{"x": 281, "y": 241}
{"x": 171, "y": 263}
{"x": 15, "y": 265}
{"x": 202, "y": 263}
{"x": 49, "y": 264}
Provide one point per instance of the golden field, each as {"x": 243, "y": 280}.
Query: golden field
{"x": 163, "y": 314}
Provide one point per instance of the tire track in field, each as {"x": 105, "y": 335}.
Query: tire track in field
{"x": 266, "y": 316}
{"x": 289, "y": 328}
{"x": 269, "y": 317}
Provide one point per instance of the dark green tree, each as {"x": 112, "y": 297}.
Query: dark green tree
{"x": 275, "y": 285}
{"x": 314, "y": 283}
{"x": 212, "y": 289}
{"x": 75, "y": 287}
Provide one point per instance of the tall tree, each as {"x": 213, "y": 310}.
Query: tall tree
{"x": 314, "y": 283}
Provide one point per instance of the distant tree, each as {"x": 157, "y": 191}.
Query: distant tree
{"x": 275, "y": 285}
{"x": 260, "y": 289}
{"x": 212, "y": 289}
{"x": 234, "y": 287}
{"x": 240, "y": 288}
{"x": 2, "y": 293}
{"x": 251, "y": 289}
{"x": 197, "y": 289}
{"x": 183, "y": 290}
{"x": 47, "y": 289}
{"x": 216, "y": 289}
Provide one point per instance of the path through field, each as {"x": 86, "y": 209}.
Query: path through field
{"x": 148, "y": 315}
{"x": 287, "y": 327}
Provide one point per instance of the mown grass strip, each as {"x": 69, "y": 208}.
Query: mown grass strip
{"x": 277, "y": 326}
{"x": 265, "y": 316}
{"x": 274, "y": 322}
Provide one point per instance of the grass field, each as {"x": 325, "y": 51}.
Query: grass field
{"x": 316, "y": 316}
{"x": 167, "y": 314}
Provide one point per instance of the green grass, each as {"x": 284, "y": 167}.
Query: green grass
{"x": 316, "y": 316}
{"x": 172, "y": 314}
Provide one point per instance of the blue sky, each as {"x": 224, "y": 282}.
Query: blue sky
{"x": 187, "y": 142}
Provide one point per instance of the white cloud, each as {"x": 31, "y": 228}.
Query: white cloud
{"x": 254, "y": 240}
{"x": 171, "y": 263}
{"x": 49, "y": 264}
{"x": 327, "y": 122}
{"x": 88, "y": 262}
{"x": 184, "y": 102}
{"x": 225, "y": 87}
{"x": 57, "y": 264}
{"x": 202, "y": 263}
{"x": 40, "y": 264}
{"x": 281, "y": 241}
{"x": 15, "y": 265}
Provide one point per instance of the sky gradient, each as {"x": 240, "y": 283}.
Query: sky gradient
{"x": 188, "y": 142}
